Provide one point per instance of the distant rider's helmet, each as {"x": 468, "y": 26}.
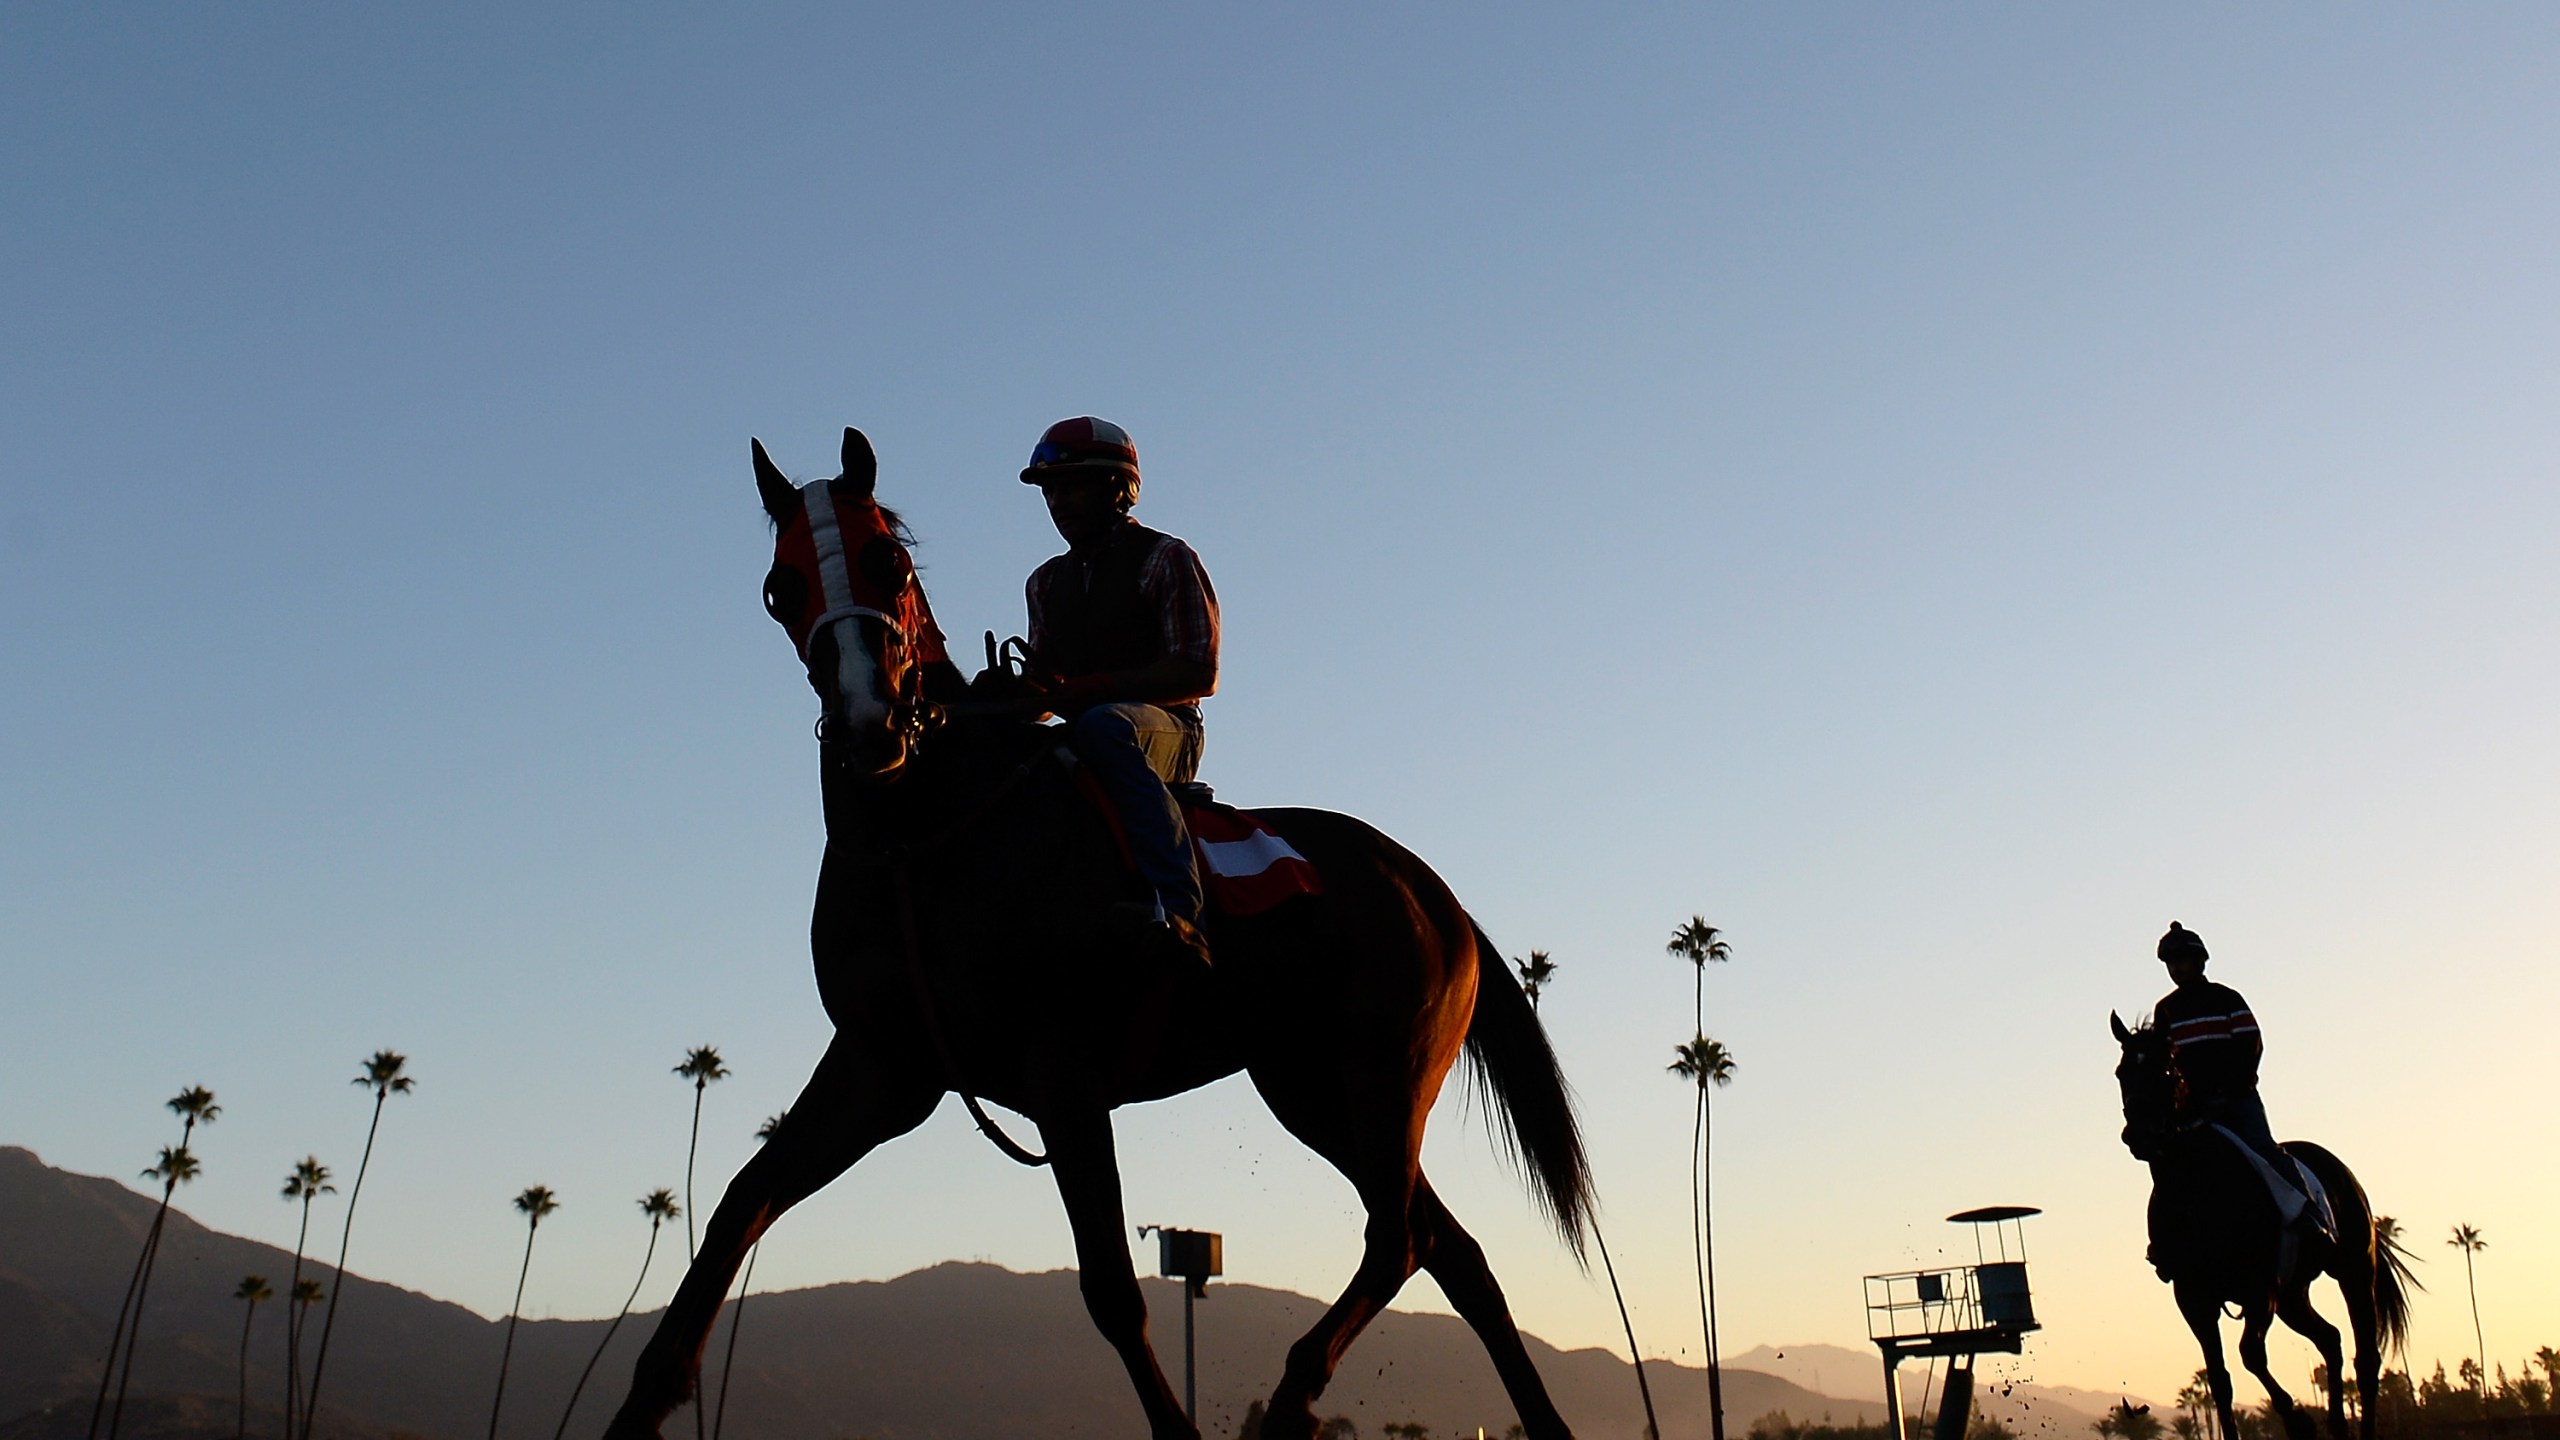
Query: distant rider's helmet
{"x": 2182, "y": 943}
{"x": 1083, "y": 447}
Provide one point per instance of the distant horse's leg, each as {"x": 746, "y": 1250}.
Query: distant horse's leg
{"x": 1087, "y": 1167}
{"x": 2253, "y": 1354}
{"x": 2204, "y": 1317}
{"x": 2295, "y": 1310}
{"x": 1457, "y": 1262}
{"x": 849, "y": 1107}
{"x": 2356, "y": 1283}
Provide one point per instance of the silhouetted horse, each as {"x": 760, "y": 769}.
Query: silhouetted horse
{"x": 2216, "y": 1237}
{"x": 960, "y": 945}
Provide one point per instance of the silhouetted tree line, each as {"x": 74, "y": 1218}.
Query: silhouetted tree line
{"x": 2464, "y": 1403}
{"x": 1779, "y": 1425}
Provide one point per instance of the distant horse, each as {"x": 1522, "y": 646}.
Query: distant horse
{"x": 961, "y": 944}
{"x": 2216, "y": 1237}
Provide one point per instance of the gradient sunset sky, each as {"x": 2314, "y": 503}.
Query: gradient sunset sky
{"x": 1940, "y": 492}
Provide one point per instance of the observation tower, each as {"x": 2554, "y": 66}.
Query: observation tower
{"x": 1958, "y": 1312}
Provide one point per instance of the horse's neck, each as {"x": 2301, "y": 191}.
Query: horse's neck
{"x": 957, "y": 787}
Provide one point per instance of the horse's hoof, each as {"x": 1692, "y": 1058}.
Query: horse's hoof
{"x": 1299, "y": 1424}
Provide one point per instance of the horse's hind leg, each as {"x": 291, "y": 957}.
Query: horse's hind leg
{"x": 849, "y": 1107}
{"x": 1388, "y": 1258}
{"x": 1087, "y": 1167}
{"x": 2253, "y": 1354}
{"x": 2295, "y": 1310}
{"x": 1457, "y": 1262}
{"x": 2365, "y": 1324}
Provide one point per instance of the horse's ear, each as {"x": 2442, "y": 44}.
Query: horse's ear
{"x": 2123, "y": 1036}
{"x": 861, "y": 466}
{"x": 781, "y": 497}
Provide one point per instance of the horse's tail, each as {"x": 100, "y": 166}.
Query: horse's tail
{"x": 1516, "y": 1073}
{"x": 2392, "y": 1282}
{"x": 2392, "y": 1277}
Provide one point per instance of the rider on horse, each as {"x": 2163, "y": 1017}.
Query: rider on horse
{"x": 1124, "y": 644}
{"x": 2213, "y": 1041}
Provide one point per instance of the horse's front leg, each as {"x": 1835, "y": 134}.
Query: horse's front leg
{"x": 1087, "y": 1167}
{"x": 848, "y": 1108}
{"x": 2203, "y": 1314}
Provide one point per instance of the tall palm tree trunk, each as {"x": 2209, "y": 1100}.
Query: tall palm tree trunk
{"x": 241, "y": 1431}
{"x": 1702, "y": 1227}
{"x": 115, "y": 1339}
{"x": 150, "y": 1262}
{"x": 1697, "y": 1220}
{"x": 507, "y": 1351}
{"x": 1707, "y": 1245}
{"x": 1644, "y": 1388}
{"x": 692, "y": 1145}
{"x": 729, "y": 1361}
{"x": 338, "y": 1285}
{"x": 2480, "y": 1346}
{"x": 293, "y": 1329}
{"x": 627, "y": 1302}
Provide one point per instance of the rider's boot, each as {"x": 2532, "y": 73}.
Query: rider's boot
{"x": 1160, "y": 934}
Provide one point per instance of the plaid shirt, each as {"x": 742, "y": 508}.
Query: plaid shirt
{"x": 1171, "y": 578}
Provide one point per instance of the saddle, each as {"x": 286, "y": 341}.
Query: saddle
{"x": 1246, "y": 867}
{"x": 2303, "y": 1207}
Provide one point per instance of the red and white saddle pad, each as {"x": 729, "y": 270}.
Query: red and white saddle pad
{"x": 1245, "y": 867}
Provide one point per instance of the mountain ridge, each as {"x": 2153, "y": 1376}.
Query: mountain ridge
{"x": 957, "y": 1351}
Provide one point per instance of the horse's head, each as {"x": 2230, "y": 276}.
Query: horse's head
{"x": 2147, "y": 1080}
{"x": 844, "y": 587}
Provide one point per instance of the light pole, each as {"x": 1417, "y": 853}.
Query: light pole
{"x": 1191, "y": 1256}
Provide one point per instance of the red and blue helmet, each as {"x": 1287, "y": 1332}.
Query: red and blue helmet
{"x": 1085, "y": 445}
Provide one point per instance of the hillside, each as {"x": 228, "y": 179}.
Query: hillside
{"x": 955, "y": 1352}
{"x": 2029, "y": 1411}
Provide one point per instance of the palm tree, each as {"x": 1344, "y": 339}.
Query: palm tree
{"x": 176, "y": 1167}
{"x": 254, "y": 1289}
{"x": 660, "y": 1207}
{"x": 306, "y": 1182}
{"x": 738, "y": 1317}
{"x": 382, "y": 1073}
{"x": 1535, "y": 972}
{"x": 1704, "y": 1063}
{"x": 1700, "y": 944}
{"x": 536, "y": 1202}
{"x": 2196, "y": 1400}
{"x": 701, "y": 1066}
{"x": 2549, "y": 1360}
{"x": 2466, "y": 1238}
{"x": 306, "y": 1293}
{"x": 193, "y": 1105}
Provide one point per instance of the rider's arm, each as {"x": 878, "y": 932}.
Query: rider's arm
{"x": 1186, "y": 670}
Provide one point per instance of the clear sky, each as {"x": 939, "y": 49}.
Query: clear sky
{"x": 1940, "y": 492}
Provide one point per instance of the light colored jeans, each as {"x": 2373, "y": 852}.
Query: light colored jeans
{"x": 1136, "y": 750}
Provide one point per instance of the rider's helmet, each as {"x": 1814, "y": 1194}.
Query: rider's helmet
{"x": 1081, "y": 447}
{"x": 2181, "y": 943}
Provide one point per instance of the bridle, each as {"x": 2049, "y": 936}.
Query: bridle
{"x": 2155, "y": 1069}
{"x": 911, "y": 716}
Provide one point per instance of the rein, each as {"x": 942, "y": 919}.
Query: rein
{"x": 896, "y": 858}
{"x": 941, "y": 1043}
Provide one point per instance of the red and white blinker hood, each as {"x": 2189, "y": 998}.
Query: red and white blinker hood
{"x": 842, "y": 579}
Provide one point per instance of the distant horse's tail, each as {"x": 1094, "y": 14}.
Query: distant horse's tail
{"x": 2392, "y": 1282}
{"x": 2392, "y": 1278}
{"x": 1515, "y": 1071}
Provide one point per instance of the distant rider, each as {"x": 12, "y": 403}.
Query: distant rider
{"x": 1124, "y": 644}
{"x": 2214, "y": 1042}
